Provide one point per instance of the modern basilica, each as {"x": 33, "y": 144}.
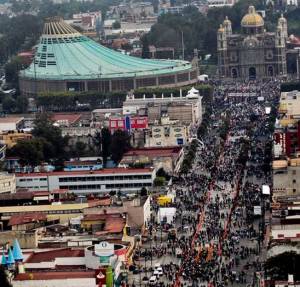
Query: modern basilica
{"x": 254, "y": 53}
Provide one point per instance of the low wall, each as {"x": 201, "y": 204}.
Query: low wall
{"x": 26, "y": 240}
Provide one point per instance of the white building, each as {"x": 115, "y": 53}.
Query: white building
{"x": 7, "y": 183}
{"x": 83, "y": 182}
{"x": 11, "y": 123}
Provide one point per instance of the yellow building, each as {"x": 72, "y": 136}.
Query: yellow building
{"x": 11, "y": 138}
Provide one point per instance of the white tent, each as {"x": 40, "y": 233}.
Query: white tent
{"x": 266, "y": 189}
{"x": 166, "y": 214}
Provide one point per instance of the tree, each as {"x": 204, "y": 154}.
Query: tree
{"x": 120, "y": 143}
{"x": 80, "y": 149}
{"x": 116, "y": 25}
{"x": 159, "y": 181}
{"x": 278, "y": 267}
{"x": 162, "y": 173}
{"x": 9, "y": 104}
{"x": 12, "y": 69}
{"x": 44, "y": 128}
{"x": 105, "y": 142}
{"x": 3, "y": 278}
{"x": 144, "y": 191}
{"x": 30, "y": 152}
{"x": 97, "y": 141}
{"x": 145, "y": 51}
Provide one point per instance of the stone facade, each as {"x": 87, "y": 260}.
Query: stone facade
{"x": 254, "y": 53}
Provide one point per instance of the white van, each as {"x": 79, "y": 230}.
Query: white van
{"x": 153, "y": 280}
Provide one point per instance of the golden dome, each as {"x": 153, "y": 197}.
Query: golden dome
{"x": 221, "y": 29}
{"x": 252, "y": 19}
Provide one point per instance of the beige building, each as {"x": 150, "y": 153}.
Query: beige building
{"x": 11, "y": 123}
{"x": 290, "y": 104}
{"x": 186, "y": 109}
{"x": 285, "y": 177}
{"x": 7, "y": 183}
{"x": 11, "y": 138}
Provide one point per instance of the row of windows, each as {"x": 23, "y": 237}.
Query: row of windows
{"x": 63, "y": 40}
{"x": 70, "y": 211}
{"x": 104, "y": 178}
{"x": 107, "y": 186}
{"x": 32, "y": 179}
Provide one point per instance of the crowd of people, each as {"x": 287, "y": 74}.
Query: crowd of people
{"x": 215, "y": 200}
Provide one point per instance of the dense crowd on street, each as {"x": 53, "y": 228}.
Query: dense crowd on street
{"x": 221, "y": 240}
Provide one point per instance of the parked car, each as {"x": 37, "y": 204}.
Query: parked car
{"x": 153, "y": 280}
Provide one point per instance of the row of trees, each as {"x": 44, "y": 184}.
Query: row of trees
{"x": 48, "y": 145}
{"x": 71, "y": 101}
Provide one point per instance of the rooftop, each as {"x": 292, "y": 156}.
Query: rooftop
{"x": 102, "y": 171}
{"x": 26, "y": 218}
{"x": 7, "y": 120}
{"x": 154, "y": 151}
{"x": 48, "y": 207}
{"x": 64, "y": 54}
{"x": 54, "y": 275}
{"x": 70, "y": 118}
{"x": 51, "y": 255}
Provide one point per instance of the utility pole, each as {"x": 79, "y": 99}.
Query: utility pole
{"x": 182, "y": 44}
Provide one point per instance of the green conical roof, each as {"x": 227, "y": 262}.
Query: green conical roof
{"x": 10, "y": 258}
{"x": 65, "y": 54}
{"x": 17, "y": 252}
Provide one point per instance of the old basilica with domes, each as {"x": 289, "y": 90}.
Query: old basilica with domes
{"x": 254, "y": 53}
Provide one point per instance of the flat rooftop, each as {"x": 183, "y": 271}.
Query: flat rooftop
{"x": 87, "y": 172}
{"x": 154, "y": 151}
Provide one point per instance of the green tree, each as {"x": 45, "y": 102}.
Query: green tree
{"x": 120, "y": 143}
{"x": 105, "y": 142}
{"x": 159, "y": 181}
{"x": 12, "y": 69}
{"x": 21, "y": 104}
{"x": 97, "y": 141}
{"x": 56, "y": 144}
{"x": 80, "y": 149}
{"x": 3, "y": 278}
{"x": 145, "y": 51}
{"x": 9, "y": 104}
{"x": 144, "y": 191}
{"x": 116, "y": 25}
{"x": 278, "y": 267}
{"x": 30, "y": 152}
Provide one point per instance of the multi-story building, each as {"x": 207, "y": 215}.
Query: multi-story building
{"x": 7, "y": 183}
{"x": 11, "y": 138}
{"x": 11, "y": 124}
{"x": 185, "y": 109}
{"x": 84, "y": 182}
{"x": 285, "y": 177}
{"x": 254, "y": 53}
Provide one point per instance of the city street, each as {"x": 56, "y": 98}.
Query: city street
{"x": 220, "y": 239}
